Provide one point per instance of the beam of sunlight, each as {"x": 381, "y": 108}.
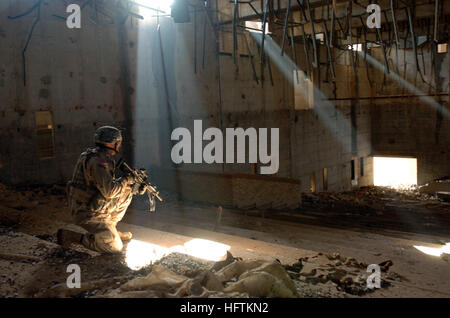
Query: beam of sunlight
{"x": 410, "y": 87}
{"x": 146, "y": 6}
{"x": 394, "y": 172}
{"x": 205, "y": 249}
{"x": 434, "y": 251}
{"x": 155, "y": 90}
{"x": 139, "y": 253}
{"x": 325, "y": 110}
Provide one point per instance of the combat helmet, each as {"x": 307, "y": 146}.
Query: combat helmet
{"x": 107, "y": 134}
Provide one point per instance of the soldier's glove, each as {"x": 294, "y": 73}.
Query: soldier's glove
{"x": 127, "y": 180}
{"x": 138, "y": 188}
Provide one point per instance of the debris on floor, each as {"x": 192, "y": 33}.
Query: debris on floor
{"x": 443, "y": 195}
{"x": 442, "y": 185}
{"x": 346, "y": 274}
{"x": 239, "y": 279}
{"x": 175, "y": 275}
{"x": 33, "y": 265}
{"x": 372, "y": 207}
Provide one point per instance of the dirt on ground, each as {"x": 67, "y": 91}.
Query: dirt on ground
{"x": 33, "y": 265}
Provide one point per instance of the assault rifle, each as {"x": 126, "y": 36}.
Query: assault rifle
{"x": 141, "y": 177}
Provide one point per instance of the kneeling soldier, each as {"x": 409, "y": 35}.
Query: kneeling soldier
{"x": 97, "y": 199}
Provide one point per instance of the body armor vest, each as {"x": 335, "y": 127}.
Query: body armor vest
{"x": 80, "y": 178}
{"x": 79, "y": 187}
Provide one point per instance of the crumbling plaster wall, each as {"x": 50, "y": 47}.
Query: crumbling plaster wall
{"x": 411, "y": 126}
{"x": 225, "y": 95}
{"x": 386, "y": 113}
{"x": 79, "y": 75}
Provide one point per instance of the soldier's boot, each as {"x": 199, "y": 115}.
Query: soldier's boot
{"x": 66, "y": 238}
{"x": 125, "y": 236}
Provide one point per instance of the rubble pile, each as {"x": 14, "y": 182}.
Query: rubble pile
{"x": 442, "y": 185}
{"x": 241, "y": 278}
{"x": 383, "y": 208}
{"x": 180, "y": 275}
{"x": 196, "y": 278}
{"x": 185, "y": 265}
{"x": 367, "y": 198}
{"x": 63, "y": 256}
{"x": 345, "y": 274}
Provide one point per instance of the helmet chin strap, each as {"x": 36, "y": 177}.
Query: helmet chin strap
{"x": 106, "y": 147}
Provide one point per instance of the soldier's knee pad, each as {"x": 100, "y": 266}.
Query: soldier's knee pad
{"x": 108, "y": 242}
{"x": 115, "y": 247}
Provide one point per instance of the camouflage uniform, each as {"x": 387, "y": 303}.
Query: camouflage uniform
{"x": 98, "y": 200}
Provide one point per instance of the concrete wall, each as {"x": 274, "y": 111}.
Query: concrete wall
{"x": 231, "y": 189}
{"x": 411, "y": 126}
{"x": 412, "y": 129}
{"x": 79, "y": 75}
{"x": 143, "y": 77}
{"x": 102, "y": 74}
{"x": 225, "y": 94}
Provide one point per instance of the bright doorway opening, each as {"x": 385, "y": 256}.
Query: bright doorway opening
{"x": 394, "y": 172}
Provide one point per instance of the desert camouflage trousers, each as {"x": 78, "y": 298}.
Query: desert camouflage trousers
{"x": 103, "y": 236}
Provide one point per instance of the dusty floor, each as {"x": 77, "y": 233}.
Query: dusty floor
{"x": 325, "y": 247}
